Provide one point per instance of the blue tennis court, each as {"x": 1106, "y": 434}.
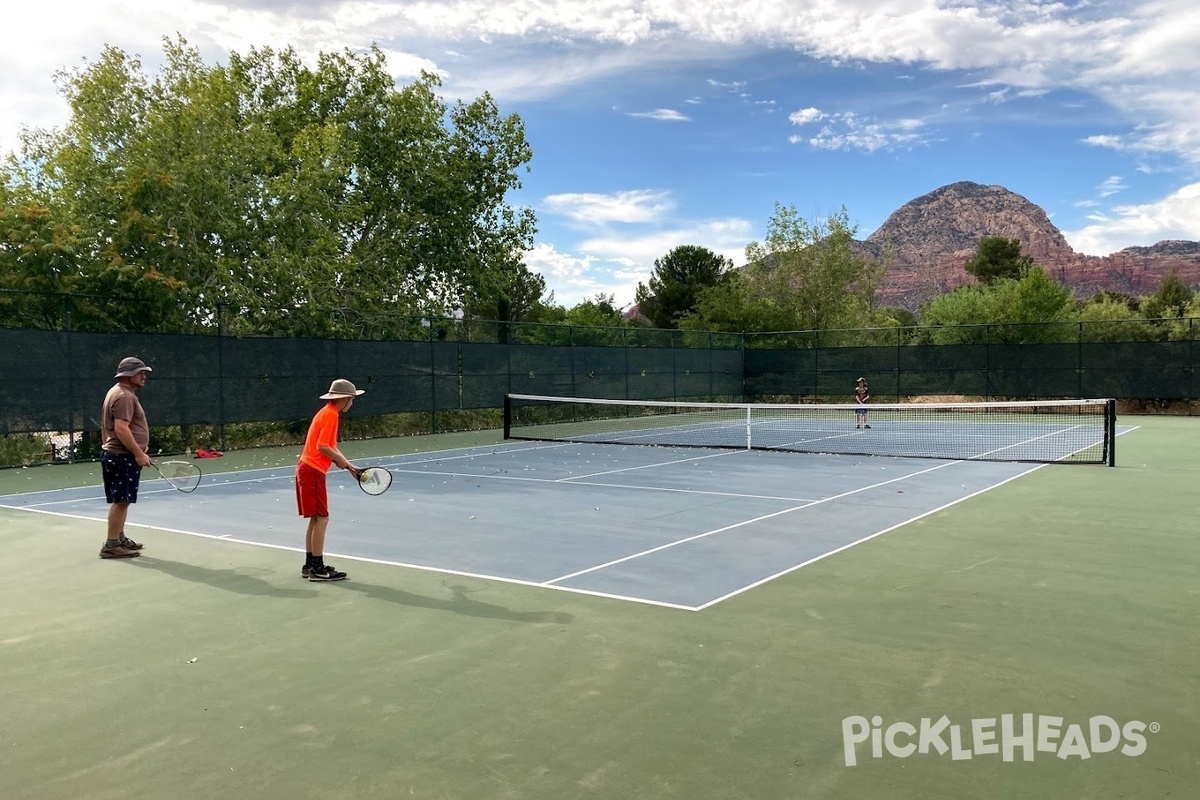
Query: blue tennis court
{"x": 679, "y": 527}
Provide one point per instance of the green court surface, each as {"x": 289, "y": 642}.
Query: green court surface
{"x": 209, "y": 669}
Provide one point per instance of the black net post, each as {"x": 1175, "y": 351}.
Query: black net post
{"x": 1110, "y": 424}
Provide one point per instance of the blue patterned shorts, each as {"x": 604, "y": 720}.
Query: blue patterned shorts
{"x": 121, "y": 477}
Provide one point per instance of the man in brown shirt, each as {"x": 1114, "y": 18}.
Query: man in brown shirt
{"x": 126, "y": 437}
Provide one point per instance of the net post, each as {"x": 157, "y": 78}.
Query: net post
{"x": 748, "y": 443}
{"x": 507, "y": 414}
{"x": 1110, "y": 425}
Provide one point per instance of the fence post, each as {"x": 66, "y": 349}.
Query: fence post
{"x": 433, "y": 374}
{"x": 70, "y": 369}
{"x": 1079, "y": 359}
{"x": 625, "y": 350}
{"x": 221, "y": 374}
{"x": 987, "y": 362}
{"x": 899, "y": 340}
{"x": 674, "y": 368}
{"x": 817, "y": 366}
{"x": 571, "y": 345}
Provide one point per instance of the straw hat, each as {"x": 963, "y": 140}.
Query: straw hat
{"x": 341, "y": 388}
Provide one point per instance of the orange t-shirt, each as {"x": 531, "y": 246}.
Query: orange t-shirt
{"x": 322, "y": 431}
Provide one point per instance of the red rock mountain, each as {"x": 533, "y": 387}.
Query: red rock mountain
{"x": 934, "y": 235}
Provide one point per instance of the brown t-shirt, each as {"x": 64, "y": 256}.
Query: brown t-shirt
{"x": 121, "y": 402}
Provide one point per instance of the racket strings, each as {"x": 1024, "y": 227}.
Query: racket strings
{"x": 375, "y": 480}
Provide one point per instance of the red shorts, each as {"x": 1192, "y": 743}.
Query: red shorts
{"x": 311, "y": 498}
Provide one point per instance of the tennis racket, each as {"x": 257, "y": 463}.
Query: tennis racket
{"x": 374, "y": 480}
{"x": 183, "y": 475}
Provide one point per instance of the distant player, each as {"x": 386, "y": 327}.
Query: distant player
{"x": 862, "y": 396}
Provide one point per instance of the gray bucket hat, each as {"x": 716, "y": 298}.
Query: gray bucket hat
{"x": 131, "y": 366}
{"x": 341, "y": 388}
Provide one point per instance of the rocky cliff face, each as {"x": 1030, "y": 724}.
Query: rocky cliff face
{"x": 932, "y": 236}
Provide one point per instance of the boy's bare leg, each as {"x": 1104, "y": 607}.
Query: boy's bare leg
{"x": 314, "y": 536}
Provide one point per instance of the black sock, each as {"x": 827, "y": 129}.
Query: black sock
{"x": 318, "y": 561}
{"x": 308, "y": 559}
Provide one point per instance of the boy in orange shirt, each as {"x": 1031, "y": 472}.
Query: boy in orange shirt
{"x": 312, "y": 500}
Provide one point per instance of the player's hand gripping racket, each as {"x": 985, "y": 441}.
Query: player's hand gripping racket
{"x": 374, "y": 480}
{"x": 183, "y": 475}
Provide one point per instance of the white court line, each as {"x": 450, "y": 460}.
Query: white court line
{"x": 570, "y": 482}
{"x": 867, "y": 538}
{"x": 421, "y": 567}
{"x": 550, "y": 584}
{"x": 747, "y": 522}
{"x": 649, "y": 466}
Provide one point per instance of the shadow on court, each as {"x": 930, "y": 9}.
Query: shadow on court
{"x": 460, "y": 603}
{"x": 231, "y": 580}
{"x": 236, "y": 580}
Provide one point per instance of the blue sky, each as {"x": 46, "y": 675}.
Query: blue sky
{"x": 658, "y": 123}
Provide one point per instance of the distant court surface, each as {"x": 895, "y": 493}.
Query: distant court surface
{"x": 1054, "y": 431}
{"x": 680, "y": 527}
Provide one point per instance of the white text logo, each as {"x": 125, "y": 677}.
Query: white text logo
{"x": 1011, "y": 736}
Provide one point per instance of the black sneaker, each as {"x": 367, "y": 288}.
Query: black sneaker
{"x": 304, "y": 571}
{"x": 325, "y": 573}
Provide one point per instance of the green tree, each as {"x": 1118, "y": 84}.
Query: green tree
{"x": 280, "y": 191}
{"x": 997, "y": 257}
{"x": 1031, "y": 308}
{"x": 804, "y": 276}
{"x": 1170, "y": 299}
{"x": 679, "y": 278}
{"x": 1111, "y": 320}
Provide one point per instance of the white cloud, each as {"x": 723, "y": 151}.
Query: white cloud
{"x": 641, "y": 205}
{"x": 614, "y": 263}
{"x": 1113, "y": 185}
{"x": 1138, "y": 55}
{"x": 575, "y": 279}
{"x": 1175, "y": 217}
{"x": 661, "y": 115}
{"x": 546, "y": 260}
{"x": 849, "y": 131}
{"x": 805, "y": 115}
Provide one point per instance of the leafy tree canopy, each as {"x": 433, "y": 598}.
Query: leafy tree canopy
{"x": 1007, "y": 310}
{"x": 1170, "y": 299}
{"x": 679, "y": 278}
{"x": 804, "y": 276}
{"x": 998, "y": 257}
{"x": 271, "y": 186}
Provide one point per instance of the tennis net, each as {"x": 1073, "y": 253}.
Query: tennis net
{"x": 1052, "y": 431}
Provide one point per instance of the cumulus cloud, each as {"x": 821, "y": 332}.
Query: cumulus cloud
{"x": 642, "y": 205}
{"x": 1137, "y": 57}
{"x": 661, "y": 115}
{"x": 805, "y": 115}
{"x": 1175, "y": 217}
{"x": 848, "y": 131}
{"x": 630, "y": 231}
